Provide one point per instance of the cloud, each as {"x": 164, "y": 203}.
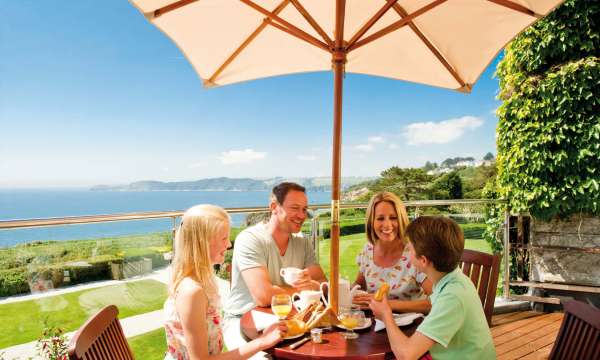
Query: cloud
{"x": 197, "y": 165}
{"x": 376, "y": 139}
{"x": 441, "y": 132}
{"x": 364, "y": 147}
{"x": 306, "y": 157}
{"x": 241, "y": 156}
{"x": 393, "y": 146}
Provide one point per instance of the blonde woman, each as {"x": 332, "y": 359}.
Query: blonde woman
{"x": 193, "y": 311}
{"x": 386, "y": 259}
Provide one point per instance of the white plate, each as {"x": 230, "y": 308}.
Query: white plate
{"x": 406, "y": 318}
{"x": 293, "y": 337}
{"x": 367, "y": 324}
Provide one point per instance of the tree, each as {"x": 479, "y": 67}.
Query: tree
{"x": 489, "y": 156}
{"x": 447, "y": 186}
{"x": 549, "y": 124}
{"x": 429, "y": 166}
{"x": 407, "y": 183}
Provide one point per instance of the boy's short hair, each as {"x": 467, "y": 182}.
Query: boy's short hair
{"x": 281, "y": 190}
{"x": 439, "y": 239}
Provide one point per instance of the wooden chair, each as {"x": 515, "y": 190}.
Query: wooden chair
{"x": 579, "y": 334}
{"x": 483, "y": 269}
{"x": 100, "y": 338}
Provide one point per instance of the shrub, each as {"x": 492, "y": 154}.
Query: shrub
{"x": 13, "y": 282}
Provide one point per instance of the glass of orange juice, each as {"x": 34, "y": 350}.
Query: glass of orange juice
{"x": 351, "y": 319}
{"x": 281, "y": 305}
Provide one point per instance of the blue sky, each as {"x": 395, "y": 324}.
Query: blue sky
{"x": 92, "y": 93}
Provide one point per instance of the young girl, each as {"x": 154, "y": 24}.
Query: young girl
{"x": 193, "y": 310}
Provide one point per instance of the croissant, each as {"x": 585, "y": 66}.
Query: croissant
{"x": 381, "y": 292}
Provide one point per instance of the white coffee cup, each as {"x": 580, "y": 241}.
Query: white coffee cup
{"x": 305, "y": 297}
{"x": 290, "y": 274}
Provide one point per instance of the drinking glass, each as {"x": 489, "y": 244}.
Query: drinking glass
{"x": 351, "y": 319}
{"x": 281, "y": 305}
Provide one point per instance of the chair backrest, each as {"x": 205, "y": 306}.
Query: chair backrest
{"x": 579, "y": 334}
{"x": 100, "y": 338}
{"x": 483, "y": 270}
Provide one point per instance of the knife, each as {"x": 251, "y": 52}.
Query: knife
{"x": 299, "y": 342}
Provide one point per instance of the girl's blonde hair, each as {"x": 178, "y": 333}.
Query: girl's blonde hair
{"x": 400, "y": 212}
{"x": 199, "y": 225}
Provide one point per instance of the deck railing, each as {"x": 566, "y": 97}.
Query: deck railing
{"x": 316, "y": 209}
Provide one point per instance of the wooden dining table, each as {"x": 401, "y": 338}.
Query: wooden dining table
{"x": 369, "y": 345}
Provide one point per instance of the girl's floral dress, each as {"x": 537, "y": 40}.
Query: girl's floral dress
{"x": 403, "y": 278}
{"x": 176, "y": 345}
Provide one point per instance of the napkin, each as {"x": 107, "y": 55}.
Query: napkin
{"x": 399, "y": 319}
{"x": 263, "y": 320}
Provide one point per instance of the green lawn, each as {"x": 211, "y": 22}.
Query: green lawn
{"x": 24, "y": 321}
{"x": 149, "y": 346}
{"x": 351, "y": 245}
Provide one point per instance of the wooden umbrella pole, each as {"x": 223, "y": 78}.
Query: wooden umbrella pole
{"x": 338, "y": 61}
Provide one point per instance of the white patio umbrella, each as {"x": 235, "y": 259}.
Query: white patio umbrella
{"x": 444, "y": 43}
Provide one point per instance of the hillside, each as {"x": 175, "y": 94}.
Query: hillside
{"x": 229, "y": 184}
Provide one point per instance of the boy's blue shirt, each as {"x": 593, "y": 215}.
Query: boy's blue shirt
{"x": 456, "y": 322}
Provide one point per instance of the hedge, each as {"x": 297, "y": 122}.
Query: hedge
{"x": 16, "y": 281}
{"x": 13, "y": 281}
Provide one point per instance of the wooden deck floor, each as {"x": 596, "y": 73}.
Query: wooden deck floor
{"x": 525, "y": 334}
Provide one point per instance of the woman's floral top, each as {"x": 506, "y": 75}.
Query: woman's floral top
{"x": 176, "y": 344}
{"x": 403, "y": 278}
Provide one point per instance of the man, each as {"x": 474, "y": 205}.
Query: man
{"x": 262, "y": 250}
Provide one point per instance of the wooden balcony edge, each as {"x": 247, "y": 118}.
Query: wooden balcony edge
{"x": 554, "y": 286}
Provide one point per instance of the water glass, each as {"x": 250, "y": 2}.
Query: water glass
{"x": 351, "y": 319}
{"x": 281, "y": 305}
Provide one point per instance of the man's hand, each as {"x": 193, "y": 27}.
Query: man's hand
{"x": 305, "y": 282}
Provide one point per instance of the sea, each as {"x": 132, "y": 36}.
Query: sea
{"x": 37, "y": 204}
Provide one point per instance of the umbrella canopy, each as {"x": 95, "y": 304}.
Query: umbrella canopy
{"x": 444, "y": 43}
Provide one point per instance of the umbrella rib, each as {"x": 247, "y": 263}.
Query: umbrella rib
{"x": 312, "y": 22}
{"x": 246, "y": 42}
{"x": 174, "y": 6}
{"x": 431, "y": 48}
{"x": 287, "y": 27}
{"x": 369, "y": 24}
{"x": 517, "y": 7}
{"x": 395, "y": 26}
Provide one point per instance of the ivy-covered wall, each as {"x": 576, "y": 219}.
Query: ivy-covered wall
{"x": 548, "y": 132}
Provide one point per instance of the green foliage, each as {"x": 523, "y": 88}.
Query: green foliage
{"x": 447, "y": 186}
{"x": 488, "y": 157}
{"x": 407, "y": 183}
{"x": 549, "y": 142}
{"x": 494, "y": 217}
{"x": 549, "y": 123}
{"x": 53, "y": 343}
{"x": 568, "y": 34}
{"x": 13, "y": 281}
{"x": 475, "y": 178}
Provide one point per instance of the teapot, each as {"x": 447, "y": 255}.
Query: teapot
{"x": 345, "y": 294}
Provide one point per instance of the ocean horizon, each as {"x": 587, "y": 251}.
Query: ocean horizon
{"x": 47, "y": 203}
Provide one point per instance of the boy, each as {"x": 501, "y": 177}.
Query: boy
{"x": 456, "y": 327}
